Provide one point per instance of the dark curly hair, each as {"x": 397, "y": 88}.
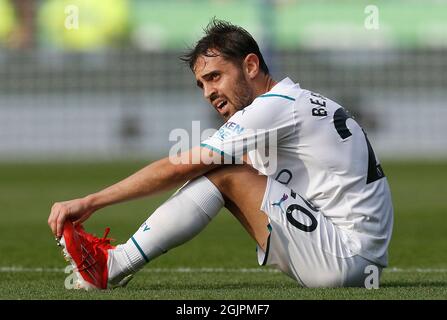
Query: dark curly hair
{"x": 232, "y": 42}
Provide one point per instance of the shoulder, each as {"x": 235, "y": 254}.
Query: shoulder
{"x": 263, "y": 109}
{"x": 282, "y": 96}
{"x": 317, "y": 103}
{"x": 271, "y": 103}
{"x": 277, "y": 98}
{"x": 272, "y": 107}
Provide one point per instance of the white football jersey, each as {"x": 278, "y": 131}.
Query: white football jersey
{"x": 315, "y": 148}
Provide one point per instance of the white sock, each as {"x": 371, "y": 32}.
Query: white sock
{"x": 176, "y": 221}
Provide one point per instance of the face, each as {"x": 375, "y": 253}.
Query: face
{"x": 224, "y": 85}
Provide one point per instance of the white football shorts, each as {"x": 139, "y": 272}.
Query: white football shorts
{"x": 307, "y": 246}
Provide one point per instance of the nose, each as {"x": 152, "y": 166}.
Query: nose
{"x": 209, "y": 91}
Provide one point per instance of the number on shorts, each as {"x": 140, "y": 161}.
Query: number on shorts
{"x": 298, "y": 224}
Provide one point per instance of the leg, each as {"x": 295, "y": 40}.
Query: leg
{"x": 187, "y": 213}
{"x": 243, "y": 190}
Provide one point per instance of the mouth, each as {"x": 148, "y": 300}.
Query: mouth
{"x": 221, "y": 105}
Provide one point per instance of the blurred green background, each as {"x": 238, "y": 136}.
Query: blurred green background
{"x": 109, "y": 70}
{"x": 172, "y": 24}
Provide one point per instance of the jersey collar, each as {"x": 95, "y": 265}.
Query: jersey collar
{"x": 282, "y": 87}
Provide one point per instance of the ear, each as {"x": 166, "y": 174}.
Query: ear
{"x": 251, "y": 65}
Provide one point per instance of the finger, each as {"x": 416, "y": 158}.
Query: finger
{"x": 53, "y": 220}
{"x": 53, "y": 217}
{"x": 60, "y": 224}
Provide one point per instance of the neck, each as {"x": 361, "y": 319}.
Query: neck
{"x": 265, "y": 84}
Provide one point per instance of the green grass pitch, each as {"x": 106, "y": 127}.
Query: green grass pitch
{"x": 221, "y": 262}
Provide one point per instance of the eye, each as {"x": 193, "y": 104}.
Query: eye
{"x": 214, "y": 76}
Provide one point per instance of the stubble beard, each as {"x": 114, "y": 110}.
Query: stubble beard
{"x": 243, "y": 93}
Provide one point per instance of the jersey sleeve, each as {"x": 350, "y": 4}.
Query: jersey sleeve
{"x": 261, "y": 125}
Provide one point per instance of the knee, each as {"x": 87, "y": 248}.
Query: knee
{"x": 225, "y": 176}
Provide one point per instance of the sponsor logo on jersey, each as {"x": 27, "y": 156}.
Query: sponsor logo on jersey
{"x": 278, "y": 203}
{"x": 229, "y": 129}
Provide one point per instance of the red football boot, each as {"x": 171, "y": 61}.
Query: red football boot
{"x": 88, "y": 255}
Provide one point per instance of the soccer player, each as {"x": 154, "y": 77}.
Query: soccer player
{"x": 318, "y": 205}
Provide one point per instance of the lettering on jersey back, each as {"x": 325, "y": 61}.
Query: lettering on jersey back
{"x": 319, "y": 112}
{"x": 319, "y": 101}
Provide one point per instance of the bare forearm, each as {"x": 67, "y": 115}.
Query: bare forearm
{"x": 157, "y": 177}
